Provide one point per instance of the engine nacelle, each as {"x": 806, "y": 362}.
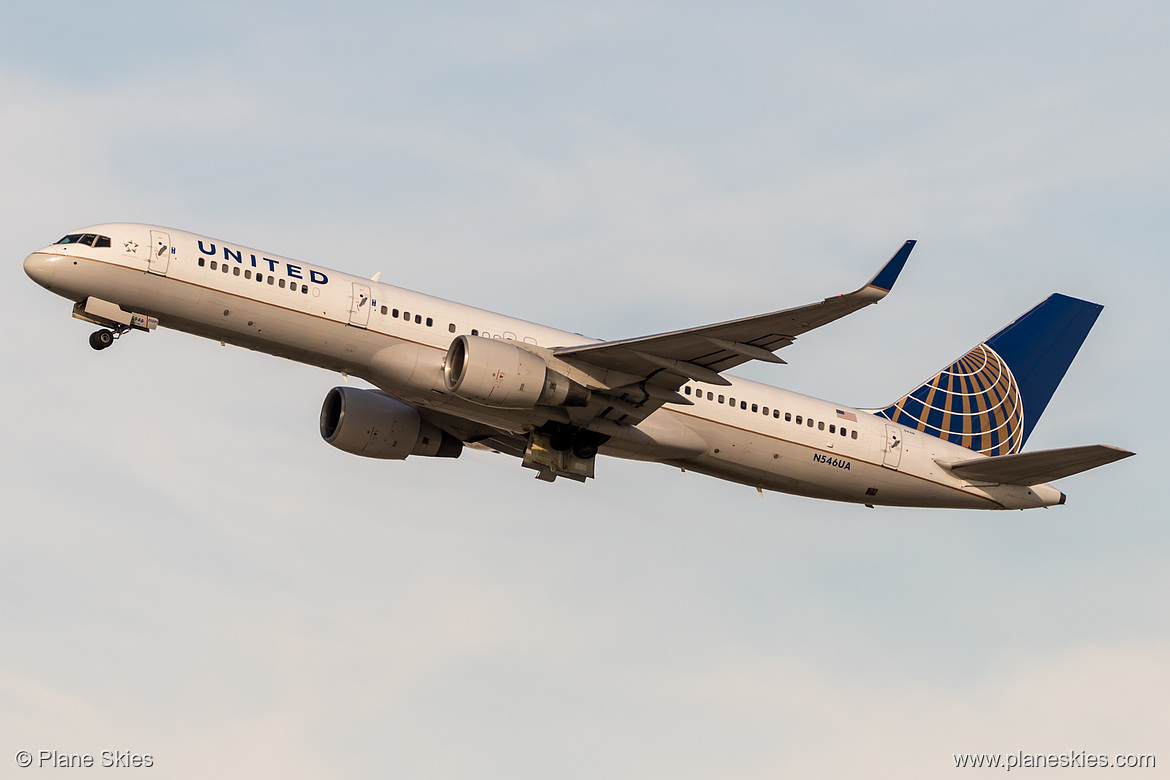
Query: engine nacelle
{"x": 500, "y": 374}
{"x": 374, "y": 425}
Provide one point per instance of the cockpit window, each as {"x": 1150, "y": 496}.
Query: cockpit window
{"x": 89, "y": 239}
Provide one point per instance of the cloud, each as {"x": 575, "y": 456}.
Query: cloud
{"x": 189, "y": 571}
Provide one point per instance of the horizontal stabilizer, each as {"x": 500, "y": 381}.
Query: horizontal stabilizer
{"x": 1034, "y": 468}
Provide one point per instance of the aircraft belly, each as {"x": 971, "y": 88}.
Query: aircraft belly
{"x": 838, "y": 473}
{"x": 296, "y": 335}
{"x": 278, "y": 330}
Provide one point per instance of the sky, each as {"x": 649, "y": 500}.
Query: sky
{"x": 188, "y": 571}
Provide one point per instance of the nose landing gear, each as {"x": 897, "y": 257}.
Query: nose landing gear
{"x": 113, "y": 320}
{"x": 100, "y": 339}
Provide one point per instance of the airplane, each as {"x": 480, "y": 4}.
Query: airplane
{"x": 447, "y": 376}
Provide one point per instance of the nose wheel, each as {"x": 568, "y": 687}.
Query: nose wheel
{"x": 100, "y": 339}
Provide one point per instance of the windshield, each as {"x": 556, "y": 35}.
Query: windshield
{"x": 89, "y": 239}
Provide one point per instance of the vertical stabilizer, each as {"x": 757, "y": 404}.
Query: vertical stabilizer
{"x": 990, "y": 399}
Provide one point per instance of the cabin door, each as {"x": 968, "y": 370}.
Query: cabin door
{"x": 160, "y": 252}
{"x": 359, "y": 305}
{"x": 893, "y": 449}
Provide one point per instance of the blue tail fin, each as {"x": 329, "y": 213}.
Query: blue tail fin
{"x": 990, "y": 399}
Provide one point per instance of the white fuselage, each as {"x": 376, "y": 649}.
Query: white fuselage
{"x": 345, "y": 323}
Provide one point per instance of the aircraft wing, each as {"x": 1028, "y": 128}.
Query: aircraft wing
{"x": 477, "y": 435}
{"x": 702, "y": 353}
{"x": 1034, "y": 468}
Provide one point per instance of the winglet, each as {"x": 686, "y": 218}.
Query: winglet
{"x": 884, "y": 279}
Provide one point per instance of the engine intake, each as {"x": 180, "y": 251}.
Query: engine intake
{"x": 371, "y": 424}
{"x": 498, "y": 373}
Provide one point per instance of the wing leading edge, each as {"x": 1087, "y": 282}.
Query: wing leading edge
{"x": 702, "y": 353}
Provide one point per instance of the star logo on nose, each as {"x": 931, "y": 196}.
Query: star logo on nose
{"x": 131, "y": 247}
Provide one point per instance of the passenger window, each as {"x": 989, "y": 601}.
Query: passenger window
{"x": 214, "y": 266}
{"x": 451, "y": 327}
{"x": 853, "y": 434}
{"x": 843, "y": 431}
{"x": 248, "y": 273}
{"x": 292, "y": 286}
{"x": 765, "y": 412}
{"x": 810, "y": 422}
{"x": 743, "y": 405}
{"x": 282, "y": 284}
{"x": 799, "y": 420}
{"x": 304, "y": 289}
{"x": 820, "y": 426}
{"x": 384, "y": 310}
{"x": 731, "y": 401}
{"x": 756, "y": 408}
{"x": 394, "y": 312}
{"x": 225, "y": 268}
{"x": 102, "y": 241}
{"x": 406, "y": 316}
{"x": 687, "y": 389}
{"x": 418, "y": 319}
{"x": 236, "y": 271}
{"x": 259, "y": 277}
{"x": 474, "y": 332}
{"x": 832, "y": 429}
{"x": 720, "y": 399}
{"x": 201, "y": 262}
{"x": 710, "y": 396}
{"x": 430, "y": 322}
{"x": 787, "y": 416}
{"x": 272, "y": 280}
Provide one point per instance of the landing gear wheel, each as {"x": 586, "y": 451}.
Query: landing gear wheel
{"x": 561, "y": 441}
{"x": 100, "y": 339}
{"x": 585, "y": 450}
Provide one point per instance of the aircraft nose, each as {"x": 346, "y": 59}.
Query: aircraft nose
{"x": 40, "y": 267}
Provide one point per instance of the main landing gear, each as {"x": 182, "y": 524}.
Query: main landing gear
{"x": 560, "y": 450}
{"x": 100, "y": 339}
{"x": 564, "y": 438}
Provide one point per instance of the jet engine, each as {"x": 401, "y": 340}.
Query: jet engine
{"x": 374, "y": 425}
{"x": 498, "y": 373}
